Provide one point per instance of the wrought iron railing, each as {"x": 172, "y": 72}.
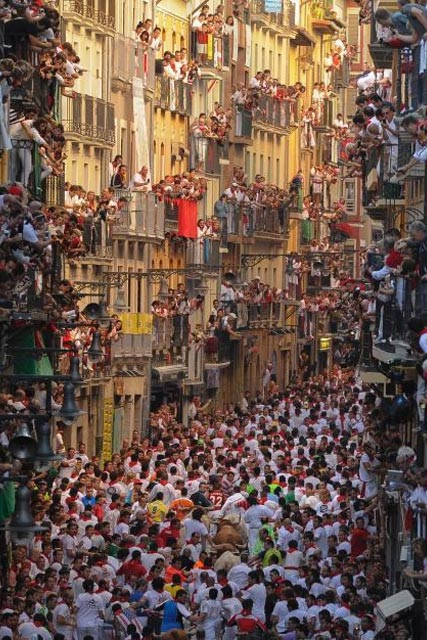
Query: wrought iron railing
{"x": 271, "y": 111}
{"x": 243, "y": 122}
{"x": 266, "y": 219}
{"x": 90, "y": 11}
{"x": 203, "y": 251}
{"x": 142, "y": 213}
{"x": 281, "y": 17}
{"x": 173, "y": 95}
{"x": 90, "y": 117}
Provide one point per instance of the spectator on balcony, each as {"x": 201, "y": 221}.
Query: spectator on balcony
{"x": 228, "y": 26}
{"x": 113, "y": 167}
{"x": 391, "y": 135}
{"x": 140, "y": 180}
{"x": 417, "y": 18}
{"x": 24, "y": 133}
{"x": 120, "y": 179}
{"x": 139, "y": 29}
{"x": 156, "y": 42}
{"x": 256, "y": 81}
{"x": 416, "y": 127}
{"x": 418, "y": 237}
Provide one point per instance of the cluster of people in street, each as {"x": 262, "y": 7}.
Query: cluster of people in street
{"x": 259, "y": 516}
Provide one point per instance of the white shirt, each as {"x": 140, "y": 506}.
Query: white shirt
{"x": 194, "y": 526}
{"x": 239, "y": 575}
{"x": 254, "y": 514}
{"x": 62, "y": 610}
{"x": 258, "y": 594}
{"x": 89, "y": 606}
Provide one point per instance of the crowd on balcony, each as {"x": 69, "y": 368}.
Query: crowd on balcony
{"x": 373, "y": 150}
{"x": 207, "y": 133}
{"x": 262, "y": 92}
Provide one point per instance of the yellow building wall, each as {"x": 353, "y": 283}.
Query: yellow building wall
{"x": 170, "y": 129}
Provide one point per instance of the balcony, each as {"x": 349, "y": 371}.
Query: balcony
{"x": 242, "y": 131}
{"x": 276, "y": 21}
{"x": 208, "y": 154}
{"x": 327, "y": 118}
{"x": 266, "y": 221}
{"x": 90, "y": 118}
{"x": 203, "y": 252}
{"x": 172, "y": 95}
{"x": 220, "y": 350}
{"x": 131, "y": 345}
{"x": 381, "y": 54}
{"x": 124, "y": 63}
{"x": 142, "y": 216}
{"x": 323, "y": 17}
{"x": 217, "y": 53}
{"x": 171, "y": 216}
{"x": 96, "y": 14}
{"x": 240, "y": 224}
{"x": 54, "y": 191}
{"x": 272, "y": 113}
{"x": 130, "y": 61}
{"x": 340, "y": 78}
{"x": 97, "y": 240}
{"x": 267, "y": 315}
{"x": 170, "y": 347}
{"x": 382, "y": 196}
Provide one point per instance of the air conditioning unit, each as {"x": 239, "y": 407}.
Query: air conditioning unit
{"x": 391, "y": 606}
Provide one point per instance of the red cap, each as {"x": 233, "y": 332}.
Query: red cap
{"x": 14, "y": 190}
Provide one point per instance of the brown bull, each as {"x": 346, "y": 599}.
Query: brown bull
{"x": 228, "y": 536}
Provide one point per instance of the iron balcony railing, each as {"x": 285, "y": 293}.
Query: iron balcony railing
{"x": 203, "y": 251}
{"x": 262, "y": 315}
{"x": 170, "y": 340}
{"x": 215, "y": 55}
{"x": 131, "y": 60}
{"x": 173, "y": 95}
{"x": 90, "y": 117}
{"x": 242, "y": 122}
{"x": 100, "y": 12}
{"x": 266, "y": 219}
{"x": 281, "y": 18}
{"x": 25, "y": 166}
{"x": 54, "y": 191}
{"x": 340, "y": 78}
{"x": 271, "y": 111}
{"x": 142, "y": 214}
{"x": 131, "y": 345}
{"x": 206, "y": 153}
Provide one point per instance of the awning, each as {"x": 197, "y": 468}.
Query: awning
{"x": 217, "y": 365}
{"x": 324, "y": 26}
{"x": 303, "y": 38}
{"x": 171, "y": 373}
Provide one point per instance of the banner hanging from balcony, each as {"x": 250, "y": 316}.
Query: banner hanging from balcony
{"x": 137, "y": 323}
{"x": 141, "y": 134}
{"x": 187, "y": 219}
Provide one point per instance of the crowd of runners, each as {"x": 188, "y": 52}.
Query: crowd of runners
{"x": 256, "y": 521}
